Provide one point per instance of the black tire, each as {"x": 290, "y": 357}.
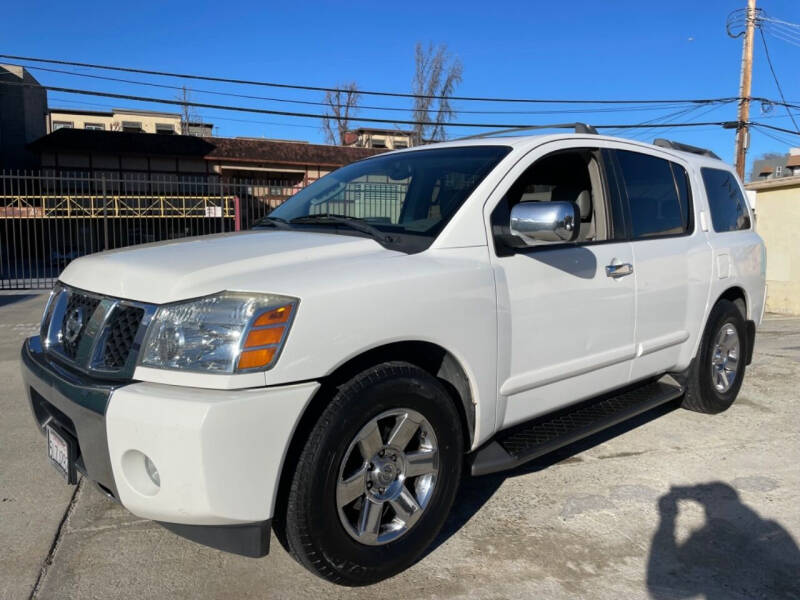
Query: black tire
{"x": 311, "y": 527}
{"x": 701, "y": 394}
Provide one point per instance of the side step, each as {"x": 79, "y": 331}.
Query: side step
{"x": 532, "y": 439}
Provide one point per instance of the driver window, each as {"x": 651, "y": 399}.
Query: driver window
{"x": 571, "y": 176}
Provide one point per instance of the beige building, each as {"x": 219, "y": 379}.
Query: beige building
{"x": 119, "y": 119}
{"x": 385, "y": 139}
{"x": 777, "y": 207}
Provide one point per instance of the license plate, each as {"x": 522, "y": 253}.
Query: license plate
{"x": 61, "y": 454}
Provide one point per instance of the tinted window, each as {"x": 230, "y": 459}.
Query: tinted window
{"x": 725, "y": 199}
{"x": 653, "y": 195}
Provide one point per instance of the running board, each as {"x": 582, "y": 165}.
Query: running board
{"x": 532, "y": 439}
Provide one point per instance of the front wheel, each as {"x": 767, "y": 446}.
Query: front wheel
{"x": 377, "y": 476}
{"x": 715, "y": 376}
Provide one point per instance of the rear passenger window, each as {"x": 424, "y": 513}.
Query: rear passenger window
{"x": 658, "y": 195}
{"x": 725, "y": 199}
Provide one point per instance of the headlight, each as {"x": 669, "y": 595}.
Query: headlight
{"x": 224, "y": 333}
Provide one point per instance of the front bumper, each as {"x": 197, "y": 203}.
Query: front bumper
{"x": 219, "y": 453}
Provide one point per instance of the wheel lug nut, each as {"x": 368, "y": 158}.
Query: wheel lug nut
{"x": 382, "y": 453}
{"x": 369, "y": 485}
{"x": 381, "y": 490}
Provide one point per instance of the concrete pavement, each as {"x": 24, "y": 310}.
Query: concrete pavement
{"x": 679, "y": 506}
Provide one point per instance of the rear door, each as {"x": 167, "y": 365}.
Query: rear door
{"x": 671, "y": 258}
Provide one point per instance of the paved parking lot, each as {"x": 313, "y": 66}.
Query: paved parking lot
{"x": 680, "y": 506}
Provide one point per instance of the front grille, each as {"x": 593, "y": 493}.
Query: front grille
{"x": 108, "y": 344}
{"x": 86, "y": 305}
{"x": 122, "y": 328}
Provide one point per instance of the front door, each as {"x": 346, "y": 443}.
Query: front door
{"x": 566, "y": 310}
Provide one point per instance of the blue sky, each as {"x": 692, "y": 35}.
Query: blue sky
{"x": 579, "y": 49}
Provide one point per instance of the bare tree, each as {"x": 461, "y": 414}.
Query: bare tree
{"x": 342, "y": 105}
{"x": 436, "y": 75}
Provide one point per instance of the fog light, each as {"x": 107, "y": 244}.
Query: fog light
{"x": 152, "y": 472}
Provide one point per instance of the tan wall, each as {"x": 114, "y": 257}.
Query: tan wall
{"x": 114, "y": 122}
{"x": 778, "y": 222}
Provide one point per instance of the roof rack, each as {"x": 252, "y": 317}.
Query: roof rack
{"x": 578, "y": 127}
{"x": 684, "y": 147}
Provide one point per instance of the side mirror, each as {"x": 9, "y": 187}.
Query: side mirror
{"x": 545, "y": 222}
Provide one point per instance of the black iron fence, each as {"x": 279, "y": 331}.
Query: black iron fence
{"x": 48, "y": 219}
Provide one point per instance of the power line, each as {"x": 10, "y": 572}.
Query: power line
{"x": 364, "y": 92}
{"x": 319, "y": 116}
{"x": 784, "y": 23}
{"x": 775, "y": 77}
{"x": 775, "y": 128}
{"x": 314, "y": 103}
{"x": 773, "y": 136}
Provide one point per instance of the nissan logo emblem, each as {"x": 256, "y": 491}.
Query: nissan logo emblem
{"x": 73, "y": 325}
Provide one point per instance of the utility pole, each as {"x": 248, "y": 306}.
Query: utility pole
{"x": 742, "y": 131}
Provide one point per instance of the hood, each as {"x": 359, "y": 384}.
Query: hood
{"x": 257, "y": 261}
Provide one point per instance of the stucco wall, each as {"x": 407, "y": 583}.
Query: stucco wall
{"x": 778, "y": 223}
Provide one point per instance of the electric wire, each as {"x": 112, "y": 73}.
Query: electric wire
{"x": 775, "y": 77}
{"x": 326, "y": 104}
{"x": 255, "y": 110}
{"x": 363, "y": 92}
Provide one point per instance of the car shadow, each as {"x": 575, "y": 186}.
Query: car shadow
{"x": 735, "y": 554}
{"x": 6, "y": 299}
{"x": 476, "y": 491}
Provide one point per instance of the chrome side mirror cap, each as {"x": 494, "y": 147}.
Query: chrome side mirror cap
{"x": 536, "y": 222}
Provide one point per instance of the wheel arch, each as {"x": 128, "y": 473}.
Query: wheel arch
{"x": 429, "y": 356}
{"x": 738, "y": 296}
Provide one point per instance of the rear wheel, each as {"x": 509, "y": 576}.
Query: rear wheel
{"x": 376, "y": 478}
{"x": 715, "y": 376}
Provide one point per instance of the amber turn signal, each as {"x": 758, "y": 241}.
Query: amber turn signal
{"x": 263, "y": 337}
{"x": 276, "y": 316}
{"x": 250, "y": 359}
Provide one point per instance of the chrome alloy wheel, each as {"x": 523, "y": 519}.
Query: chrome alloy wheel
{"x": 387, "y": 476}
{"x": 725, "y": 358}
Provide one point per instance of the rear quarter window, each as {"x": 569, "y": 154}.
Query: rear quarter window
{"x": 725, "y": 200}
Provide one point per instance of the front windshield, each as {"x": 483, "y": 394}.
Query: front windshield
{"x": 409, "y": 196}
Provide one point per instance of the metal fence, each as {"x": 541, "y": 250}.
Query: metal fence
{"x": 48, "y": 219}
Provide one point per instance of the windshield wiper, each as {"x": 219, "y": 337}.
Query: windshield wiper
{"x": 268, "y": 221}
{"x": 351, "y": 222}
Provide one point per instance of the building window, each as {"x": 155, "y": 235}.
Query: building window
{"x": 94, "y": 126}
{"x": 400, "y": 144}
{"x": 62, "y": 125}
{"x": 378, "y": 143}
{"x": 165, "y": 128}
{"x": 132, "y": 126}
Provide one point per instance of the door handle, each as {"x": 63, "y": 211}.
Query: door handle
{"x": 619, "y": 270}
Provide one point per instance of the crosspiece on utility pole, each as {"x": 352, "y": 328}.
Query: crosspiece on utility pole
{"x": 742, "y": 131}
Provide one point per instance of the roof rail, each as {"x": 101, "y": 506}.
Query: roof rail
{"x": 578, "y": 127}
{"x": 684, "y": 147}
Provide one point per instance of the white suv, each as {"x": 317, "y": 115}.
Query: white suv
{"x": 462, "y": 306}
